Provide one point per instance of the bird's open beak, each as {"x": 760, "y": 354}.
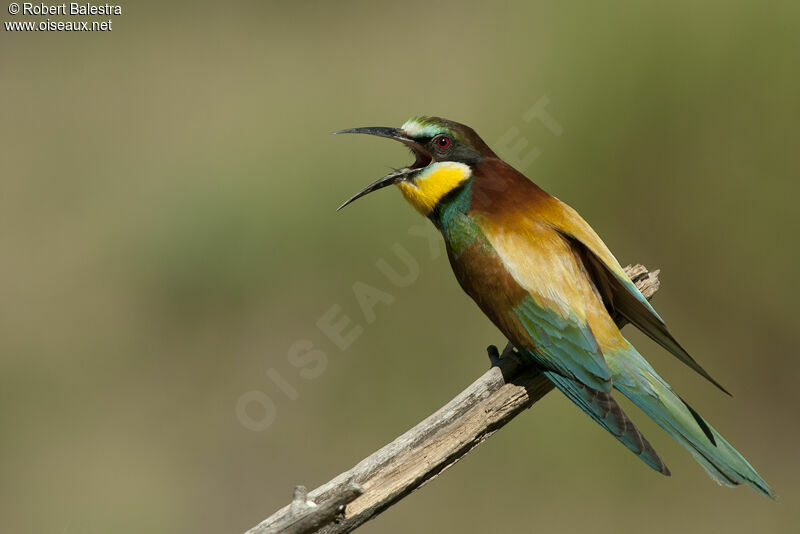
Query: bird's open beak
{"x": 423, "y": 158}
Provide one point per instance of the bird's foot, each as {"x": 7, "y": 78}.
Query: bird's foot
{"x": 495, "y": 356}
{"x": 510, "y": 351}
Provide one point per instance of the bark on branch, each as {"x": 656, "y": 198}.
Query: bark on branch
{"x": 379, "y": 481}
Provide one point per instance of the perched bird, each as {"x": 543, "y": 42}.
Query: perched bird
{"x": 550, "y": 284}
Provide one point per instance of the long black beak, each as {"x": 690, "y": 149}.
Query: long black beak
{"x": 394, "y": 177}
{"x": 380, "y": 131}
{"x": 389, "y": 179}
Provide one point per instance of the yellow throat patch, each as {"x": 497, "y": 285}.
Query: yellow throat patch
{"x": 430, "y": 185}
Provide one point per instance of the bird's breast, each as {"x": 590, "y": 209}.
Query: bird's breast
{"x": 482, "y": 274}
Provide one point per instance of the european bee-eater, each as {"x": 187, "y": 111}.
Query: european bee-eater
{"x": 550, "y": 284}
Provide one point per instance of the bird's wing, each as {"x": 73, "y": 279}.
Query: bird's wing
{"x": 547, "y": 316}
{"x": 536, "y": 290}
{"x": 563, "y": 343}
{"x": 617, "y": 290}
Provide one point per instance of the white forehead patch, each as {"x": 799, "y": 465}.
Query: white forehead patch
{"x": 419, "y": 128}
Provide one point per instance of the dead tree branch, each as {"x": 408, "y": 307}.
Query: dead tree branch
{"x": 379, "y": 481}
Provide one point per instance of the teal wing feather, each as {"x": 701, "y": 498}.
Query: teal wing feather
{"x": 602, "y": 407}
{"x": 563, "y": 344}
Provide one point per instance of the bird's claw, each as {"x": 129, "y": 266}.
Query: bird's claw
{"x": 494, "y": 355}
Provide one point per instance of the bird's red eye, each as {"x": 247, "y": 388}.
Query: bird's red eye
{"x": 443, "y": 141}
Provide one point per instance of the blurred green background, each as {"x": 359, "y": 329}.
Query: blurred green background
{"x": 168, "y": 233}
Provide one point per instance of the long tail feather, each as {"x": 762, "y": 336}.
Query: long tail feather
{"x": 637, "y": 380}
{"x": 602, "y": 407}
